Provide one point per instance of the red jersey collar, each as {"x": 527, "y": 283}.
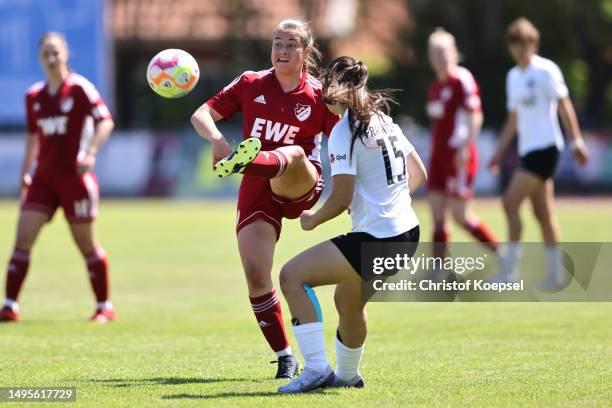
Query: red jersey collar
{"x": 298, "y": 87}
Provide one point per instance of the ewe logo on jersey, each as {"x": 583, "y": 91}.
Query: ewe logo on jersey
{"x": 302, "y": 112}
{"x": 54, "y": 125}
{"x": 274, "y": 131}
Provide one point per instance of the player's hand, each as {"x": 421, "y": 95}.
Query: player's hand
{"x": 581, "y": 155}
{"x": 26, "y": 182}
{"x": 86, "y": 163}
{"x": 220, "y": 150}
{"x": 495, "y": 162}
{"x": 307, "y": 220}
{"x": 461, "y": 157}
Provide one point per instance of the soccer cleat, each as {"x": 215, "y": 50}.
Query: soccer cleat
{"x": 553, "y": 283}
{"x": 355, "y": 382}
{"x": 288, "y": 367}
{"x": 244, "y": 154}
{"x": 8, "y": 315}
{"x": 308, "y": 381}
{"x": 104, "y": 315}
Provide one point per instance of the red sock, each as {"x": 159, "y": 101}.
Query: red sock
{"x": 440, "y": 239}
{"x": 268, "y": 313}
{"x": 16, "y": 273}
{"x": 97, "y": 265}
{"x": 482, "y": 233}
{"x": 267, "y": 164}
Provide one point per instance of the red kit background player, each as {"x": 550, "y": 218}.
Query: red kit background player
{"x": 283, "y": 108}
{"x": 453, "y": 104}
{"x": 67, "y": 122}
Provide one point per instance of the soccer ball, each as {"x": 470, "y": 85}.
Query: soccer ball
{"x": 173, "y": 73}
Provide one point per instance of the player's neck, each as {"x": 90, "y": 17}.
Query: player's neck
{"x": 523, "y": 63}
{"x": 443, "y": 74}
{"x": 55, "y": 81}
{"x": 289, "y": 81}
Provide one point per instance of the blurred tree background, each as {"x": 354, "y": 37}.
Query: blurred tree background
{"x": 231, "y": 36}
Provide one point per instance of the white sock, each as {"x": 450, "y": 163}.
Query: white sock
{"x": 284, "y": 352}
{"x": 104, "y": 305}
{"x": 511, "y": 254}
{"x": 555, "y": 267}
{"x": 312, "y": 345}
{"x": 12, "y": 304}
{"x": 347, "y": 361}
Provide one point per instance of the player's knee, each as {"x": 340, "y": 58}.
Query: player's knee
{"x": 257, "y": 276}
{"x": 460, "y": 219}
{"x": 24, "y": 239}
{"x": 510, "y": 205}
{"x": 347, "y": 309}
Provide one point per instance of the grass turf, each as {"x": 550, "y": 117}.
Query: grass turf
{"x": 186, "y": 335}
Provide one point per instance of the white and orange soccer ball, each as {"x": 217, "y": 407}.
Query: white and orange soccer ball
{"x": 173, "y": 73}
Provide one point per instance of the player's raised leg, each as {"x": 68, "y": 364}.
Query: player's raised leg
{"x": 29, "y": 225}
{"x": 256, "y": 244}
{"x": 97, "y": 266}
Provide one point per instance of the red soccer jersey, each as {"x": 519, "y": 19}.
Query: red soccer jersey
{"x": 278, "y": 118}
{"x": 64, "y": 122}
{"x": 448, "y": 104}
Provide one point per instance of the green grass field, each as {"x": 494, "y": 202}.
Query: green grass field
{"x": 186, "y": 334}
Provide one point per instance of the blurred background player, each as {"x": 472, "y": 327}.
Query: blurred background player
{"x": 284, "y": 115}
{"x": 374, "y": 170}
{"x": 67, "y": 123}
{"x": 535, "y": 91}
{"x": 453, "y": 104}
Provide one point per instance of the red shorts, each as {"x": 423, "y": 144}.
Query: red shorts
{"x": 77, "y": 194}
{"x": 443, "y": 176}
{"x": 256, "y": 200}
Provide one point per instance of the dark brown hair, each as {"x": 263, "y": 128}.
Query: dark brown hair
{"x": 345, "y": 81}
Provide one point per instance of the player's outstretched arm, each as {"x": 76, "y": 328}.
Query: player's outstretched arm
{"x": 203, "y": 121}
{"x": 339, "y": 200}
{"x": 87, "y": 159}
{"x": 417, "y": 173}
{"x": 508, "y": 133}
{"x": 570, "y": 123}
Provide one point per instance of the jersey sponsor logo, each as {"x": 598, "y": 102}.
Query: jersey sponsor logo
{"x": 302, "y": 112}
{"x": 435, "y": 109}
{"x": 54, "y": 125}
{"x": 337, "y": 157}
{"x": 66, "y": 105}
{"x": 274, "y": 131}
{"x": 260, "y": 99}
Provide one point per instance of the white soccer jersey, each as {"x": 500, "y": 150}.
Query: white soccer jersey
{"x": 381, "y": 202}
{"x": 533, "y": 93}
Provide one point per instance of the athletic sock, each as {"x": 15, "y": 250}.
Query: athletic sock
{"x": 347, "y": 360}
{"x": 311, "y": 340}
{"x": 97, "y": 265}
{"x": 483, "y": 234}
{"x": 555, "y": 266}
{"x": 267, "y": 164}
{"x": 16, "y": 273}
{"x": 267, "y": 309}
{"x": 440, "y": 239}
{"x": 510, "y": 258}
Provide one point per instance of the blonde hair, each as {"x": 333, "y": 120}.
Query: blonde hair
{"x": 441, "y": 37}
{"x": 523, "y": 31}
{"x": 304, "y": 31}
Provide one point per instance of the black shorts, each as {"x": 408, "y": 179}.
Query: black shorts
{"x": 542, "y": 163}
{"x": 351, "y": 247}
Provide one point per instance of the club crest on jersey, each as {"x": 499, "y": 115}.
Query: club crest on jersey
{"x": 302, "y": 112}
{"x": 36, "y": 106}
{"x": 66, "y": 105}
